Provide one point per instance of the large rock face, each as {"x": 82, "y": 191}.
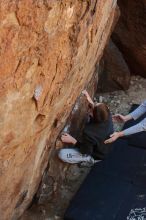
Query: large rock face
{"x": 48, "y": 52}
{"x": 130, "y": 34}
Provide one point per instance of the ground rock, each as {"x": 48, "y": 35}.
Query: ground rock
{"x": 114, "y": 74}
{"x": 48, "y": 52}
{"x": 130, "y": 33}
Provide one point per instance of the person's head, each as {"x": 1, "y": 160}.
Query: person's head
{"x": 101, "y": 112}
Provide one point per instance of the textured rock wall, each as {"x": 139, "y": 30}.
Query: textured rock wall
{"x": 130, "y": 34}
{"x": 48, "y": 52}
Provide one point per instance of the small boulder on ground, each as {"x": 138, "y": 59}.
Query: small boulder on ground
{"x": 114, "y": 74}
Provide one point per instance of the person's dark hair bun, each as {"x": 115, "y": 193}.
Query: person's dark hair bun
{"x": 101, "y": 113}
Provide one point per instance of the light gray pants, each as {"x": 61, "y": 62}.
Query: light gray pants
{"x": 72, "y": 155}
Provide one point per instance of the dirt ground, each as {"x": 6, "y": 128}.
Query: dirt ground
{"x": 118, "y": 102}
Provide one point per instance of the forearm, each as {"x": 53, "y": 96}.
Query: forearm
{"x": 121, "y": 134}
{"x": 88, "y": 97}
{"x": 139, "y": 111}
{"x": 128, "y": 117}
{"x": 136, "y": 128}
{"x": 90, "y": 100}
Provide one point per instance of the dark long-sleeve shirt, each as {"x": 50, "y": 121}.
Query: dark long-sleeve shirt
{"x": 93, "y": 137}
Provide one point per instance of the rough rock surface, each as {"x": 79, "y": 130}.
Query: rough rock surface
{"x": 48, "y": 52}
{"x": 130, "y": 34}
{"x": 118, "y": 102}
{"x": 114, "y": 74}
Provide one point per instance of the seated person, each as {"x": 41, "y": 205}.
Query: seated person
{"x": 91, "y": 147}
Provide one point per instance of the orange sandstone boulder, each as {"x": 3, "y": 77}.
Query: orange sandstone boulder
{"x": 48, "y": 52}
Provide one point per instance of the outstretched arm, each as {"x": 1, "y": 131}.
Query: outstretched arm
{"x": 133, "y": 115}
{"x": 88, "y": 97}
{"x": 141, "y": 126}
{"x": 139, "y": 111}
{"x": 132, "y": 130}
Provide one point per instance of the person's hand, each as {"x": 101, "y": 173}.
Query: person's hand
{"x": 113, "y": 137}
{"x": 67, "y": 138}
{"x": 119, "y": 118}
{"x": 84, "y": 92}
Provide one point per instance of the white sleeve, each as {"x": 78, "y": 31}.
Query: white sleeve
{"x": 141, "y": 126}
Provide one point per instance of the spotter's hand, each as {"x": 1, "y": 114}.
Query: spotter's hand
{"x": 119, "y": 118}
{"x": 113, "y": 137}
